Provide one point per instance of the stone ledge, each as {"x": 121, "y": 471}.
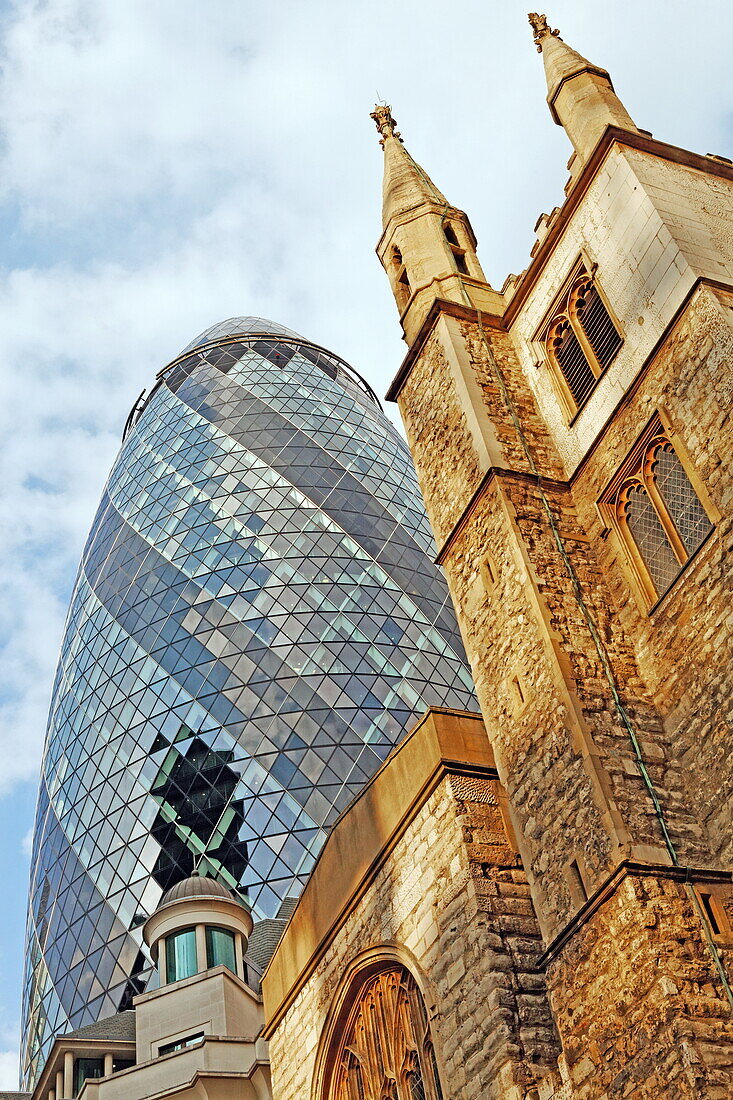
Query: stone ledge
{"x": 626, "y": 869}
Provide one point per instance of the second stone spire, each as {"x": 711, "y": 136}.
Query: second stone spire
{"x": 428, "y": 247}
{"x": 580, "y": 94}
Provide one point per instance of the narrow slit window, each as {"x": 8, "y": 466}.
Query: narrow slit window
{"x": 459, "y": 254}
{"x": 707, "y": 904}
{"x": 403, "y": 290}
{"x": 519, "y": 696}
{"x": 575, "y": 879}
{"x": 488, "y": 574}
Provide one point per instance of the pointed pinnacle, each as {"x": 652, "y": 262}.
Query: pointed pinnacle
{"x": 540, "y": 29}
{"x": 386, "y": 125}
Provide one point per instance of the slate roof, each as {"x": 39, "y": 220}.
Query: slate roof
{"x": 287, "y": 907}
{"x": 263, "y": 941}
{"x": 120, "y": 1028}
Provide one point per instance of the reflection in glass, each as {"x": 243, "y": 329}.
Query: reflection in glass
{"x": 87, "y": 1069}
{"x": 180, "y": 955}
{"x": 220, "y": 948}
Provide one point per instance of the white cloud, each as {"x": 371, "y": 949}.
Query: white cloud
{"x": 166, "y": 165}
{"x": 26, "y": 844}
{"x": 9, "y": 1069}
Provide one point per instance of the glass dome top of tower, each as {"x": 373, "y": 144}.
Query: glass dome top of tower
{"x": 240, "y": 326}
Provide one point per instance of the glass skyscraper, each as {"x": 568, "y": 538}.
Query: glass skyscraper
{"x": 256, "y": 621}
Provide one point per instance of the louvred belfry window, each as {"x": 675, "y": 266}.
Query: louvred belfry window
{"x": 581, "y": 340}
{"x": 385, "y": 1051}
{"x": 654, "y": 507}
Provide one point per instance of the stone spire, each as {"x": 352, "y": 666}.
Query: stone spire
{"x": 579, "y": 93}
{"x": 427, "y": 248}
{"x": 405, "y": 184}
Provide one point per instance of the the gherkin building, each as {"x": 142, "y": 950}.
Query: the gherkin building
{"x": 256, "y": 621}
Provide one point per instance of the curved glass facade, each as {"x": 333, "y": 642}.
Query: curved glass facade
{"x": 256, "y": 621}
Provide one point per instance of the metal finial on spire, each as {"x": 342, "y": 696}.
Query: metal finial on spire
{"x": 541, "y": 29}
{"x": 386, "y": 125}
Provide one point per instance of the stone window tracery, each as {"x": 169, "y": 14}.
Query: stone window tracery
{"x": 654, "y": 507}
{"x": 385, "y": 1050}
{"x": 581, "y": 340}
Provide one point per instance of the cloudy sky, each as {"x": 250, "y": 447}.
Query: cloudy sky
{"x": 168, "y": 163}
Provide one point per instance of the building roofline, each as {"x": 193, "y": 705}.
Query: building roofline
{"x": 235, "y": 338}
{"x": 443, "y": 742}
{"x": 613, "y": 135}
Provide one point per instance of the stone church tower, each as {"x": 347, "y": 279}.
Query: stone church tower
{"x": 572, "y": 437}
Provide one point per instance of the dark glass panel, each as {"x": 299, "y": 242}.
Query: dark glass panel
{"x": 220, "y": 948}
{"x": 180, "y": 955}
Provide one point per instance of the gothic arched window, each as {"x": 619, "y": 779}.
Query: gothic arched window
{"x": 385, "y": 1050}
{"x": 654, "y": 507}
{"x": 581, "y": 340}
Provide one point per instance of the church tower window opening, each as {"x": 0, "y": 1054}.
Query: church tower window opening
{"x": 581, "y": 340}
{"x": 403, "y": 289}
{"x": 655, "y": 509}
{"x": 385, "y": 1052}
{"x": 459, "y": 254}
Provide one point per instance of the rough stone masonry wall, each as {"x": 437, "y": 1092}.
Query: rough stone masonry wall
{"x": 562, "y": 751}
{"x": 531, "y": 631}
{"x": 575, "y": 789}
{"x": 479, "y": 337}
{"x": 438, "y": 426}
{"x": 684, "y": 648}
{"x": 453, "y": 896}
{"x": 647, "y": 1019}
